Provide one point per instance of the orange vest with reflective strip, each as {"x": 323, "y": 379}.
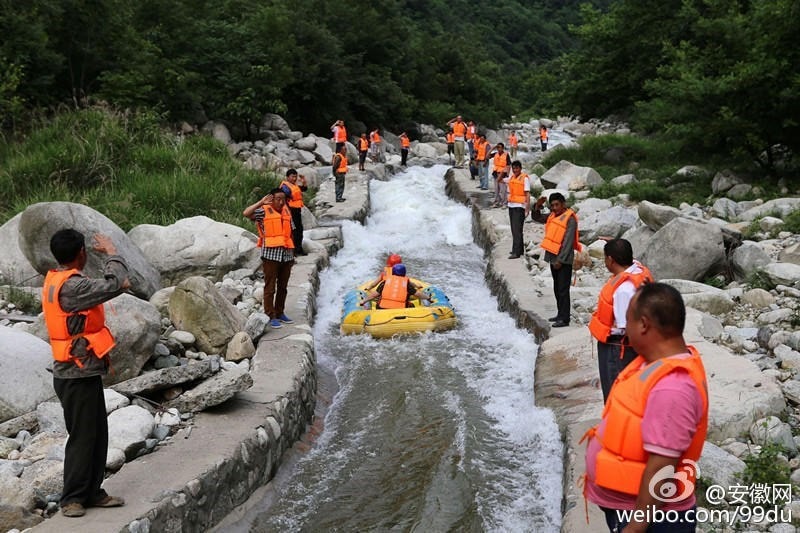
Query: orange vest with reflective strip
{"x": 603, "y": 318}
{"x": 276, "y": 229}
{"x": 342, "y": 167}
{"x": 341, "y": 134}
{"x": 516, "y": 188}
{"x": 449, "y": 137}
{"x": 622, "y": 459}
{"x": 459, "y": 129}
{"x": 296, "y": 199}
{"x": 554, "y": 230}
{"x": 404, "y": 142}
{"x": 481, "y": 149}
{"x": 99, "y": 338}
{"x": 500, "y": 162}
{"x": 394, "y": 293}
{"x": 512, "y": 140}
{"x": 363, "y": 144}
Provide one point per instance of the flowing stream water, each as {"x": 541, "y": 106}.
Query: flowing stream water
{"x": 428, "y": 433}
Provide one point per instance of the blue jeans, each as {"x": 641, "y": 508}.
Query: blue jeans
{"x": 483, "y": 174}
{"x": 339, "y": 185}
{"x": 681, "y": 525}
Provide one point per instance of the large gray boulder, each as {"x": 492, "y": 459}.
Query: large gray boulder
{"x": 748, "y": 258}
{"x": 24, "y": 380}
{"x": 198, "y": 307}
{"x": 196, "y": 246}
{"x": 40, "y": 221}
{"x": 784, "y": 206}
{"x": 611, "y": 222}
{"x": 684, "y": 249}
{"x": 565, "y": 175}
{"x": 702, "y": 297}
{"x": 718, "y": 466}
{"x": 15, "y": 269}
{"x": 657, "y": 216}
{"x": 166, "y": 378}
{"x": 783, "y": 273}
{"x": 273, "y": 122}
{"x": 136, "y": 325}
{"x": 638, "y": 237}
{"x": 213, "y": 391}
{"x": 128, "y": 428}
{"x": 790, "y": 254}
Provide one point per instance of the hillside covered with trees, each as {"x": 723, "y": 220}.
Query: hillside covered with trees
{"x": 720, "y": 76}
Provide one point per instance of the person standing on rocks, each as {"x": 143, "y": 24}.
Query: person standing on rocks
{"x": 608, "y": 321}
{"x": 559, "y": 243}
{"x": 450, "y": 140}
{"x": 81, "y": 342}
{"x": 293, "y": 187}
{"x": 459, "y": 128}
{"x": 519, "y": 205}
{"x": 363, "y": 148}
{"x": 643, "y": 454}
{"x": 543, "y": 135}
{"x": 482, "y": 161}
{"x": 405, "y": 144}
{"x": 340, "y": 172}
{"x": 339, "y": 134}
{"x": 274, "y": 223}
{"x": 375, "y": 145}
{"x": 513, "y": 142}
{"x": 500, "y": 164}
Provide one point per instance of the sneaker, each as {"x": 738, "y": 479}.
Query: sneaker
{"x": 73, "y": 510}
{"x": 340, "y": 199}
{"x": 108, "y": 501}
{"x": 285, "y": 319}
{"x": 275, "y": 323}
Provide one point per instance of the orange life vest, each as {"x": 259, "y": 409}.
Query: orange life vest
{"x": 276, "y": 229}
{"x": 554, "y": 230}
{"x": 340, "y": 135}
{"x": 603, "y": 318}
{"x": 449, "y": 137}
{"x": 363, "y": 144}
{"x": 500, "y": 162}
{"x": 386, "y": 272}
{"x": 296, "y": 199}
{"x": 394, "y": 293}
{"x": 342, "y": 167}
{"x": 481, "y": 150}
{"x": 543, "y": 134}
{"x": 99, "y": 338}
{"x": 459, "y": 129}
{"x": 471, "y": 132}
{"x": 374, "y": 137}
{"x": 622, "y": 459}
{"x": 404, "y": 142}
{"x": 516, "y": 189}
{"x": 512, "y": 140}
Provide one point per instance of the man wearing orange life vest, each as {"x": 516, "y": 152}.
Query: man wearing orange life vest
{"x": 608, "y": 321}
{"x": 339, "y": 134}
{"x": 519, "y": 205}
{"x": 450, "y": 140}
{"x": 363, "y": 147}
{"x": 472, "y": 134}
{"x": 500, "y": 167}
{"x": 340, "y": 172}
{"x": 459, "y": 128}
{"x": 405, "y": 144}
{"x": 482, "y": 160}
{"x": 81, "y": 342}
{"x": 396, "y": 290}
{"x": 513, "y": 142}
{"x": 643, "y": 454}
{"x": 294, "y": 186}
{"x": 375, "y": 145}
{"x": 274, "y": 223}
{"x": 559, "y": 243}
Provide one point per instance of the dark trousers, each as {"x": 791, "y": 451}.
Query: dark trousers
{"x": 339, "y": 185}
{"x": 85, "y": 456}
{"x": 681, "y": 522}
{"x": 338, "y": 147}
{"x": 561, "y": 280}
{"x": 403, "y": 156}
{"x": 276, "y": 279}
{"x": 612, "y": 358}
{"x": 362, "y": 158}
{"x": 297, "y": 232}
{"x": 517, "y": 217}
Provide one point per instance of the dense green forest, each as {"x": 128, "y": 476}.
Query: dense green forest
{"x": 720, "y": 76}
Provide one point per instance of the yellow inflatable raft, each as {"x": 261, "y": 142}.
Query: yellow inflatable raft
{"x": 436, "y": 315}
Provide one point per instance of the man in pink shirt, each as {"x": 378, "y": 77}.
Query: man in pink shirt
{"x": 654, "y": 423}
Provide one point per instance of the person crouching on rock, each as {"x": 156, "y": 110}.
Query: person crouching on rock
{"x": 274, "y": 225}
{"x": 81, "y": 342}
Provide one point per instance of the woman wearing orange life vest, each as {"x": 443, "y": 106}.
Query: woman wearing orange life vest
{"x": 608, "y": 322}
{"x": 396, "y": 290}
{"x": 274, "y": 223}
{"x": 405, "y": 144}
{"x": 363, "y": 147}
{"x": 293, "y": 186}
{"x": 519, "y": 205}
{"x": 559, "y": 243}
{"x": 449, "y": 139}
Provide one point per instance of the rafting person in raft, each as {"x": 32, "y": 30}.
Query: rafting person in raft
{"x": 396, "y": 290}
{"x": 391, "y": 261}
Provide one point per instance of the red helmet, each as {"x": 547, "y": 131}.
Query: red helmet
{"x": 393, "y": 260}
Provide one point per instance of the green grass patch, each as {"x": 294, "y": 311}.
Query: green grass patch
{"x": 126, "y": 167}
